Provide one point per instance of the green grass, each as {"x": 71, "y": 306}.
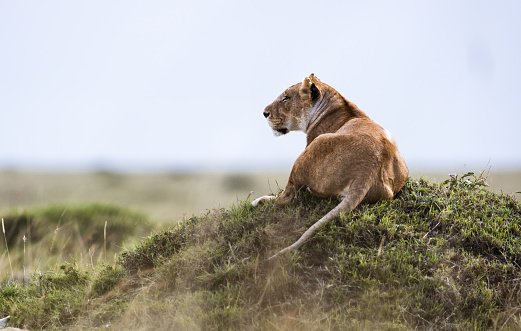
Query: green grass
{"x": 432, "y": 258}
{"x": 39, "y": 238}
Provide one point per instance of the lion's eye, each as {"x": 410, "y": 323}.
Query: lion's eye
{"x": 284, "y": 99}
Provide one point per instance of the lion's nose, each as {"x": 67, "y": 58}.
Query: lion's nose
{"x": 266, "y": 114}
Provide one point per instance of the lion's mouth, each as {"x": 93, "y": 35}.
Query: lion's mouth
{"x": 282, "y": 131}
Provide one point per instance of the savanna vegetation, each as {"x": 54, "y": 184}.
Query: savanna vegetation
{"x": 438, "y": 256}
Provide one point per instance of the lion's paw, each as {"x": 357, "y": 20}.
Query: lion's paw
{"x": 262, "y": 200}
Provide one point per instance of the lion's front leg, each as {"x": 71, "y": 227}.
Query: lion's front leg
{"x": 284, "y": 198}
{"x": 262, "y": 200}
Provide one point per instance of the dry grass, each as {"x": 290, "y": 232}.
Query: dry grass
{"x": 38, "y": 239}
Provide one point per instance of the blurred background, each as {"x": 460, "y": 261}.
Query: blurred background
{"x": 157, "y": 105}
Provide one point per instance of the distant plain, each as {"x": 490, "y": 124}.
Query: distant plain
{"x": 168, "y": 197}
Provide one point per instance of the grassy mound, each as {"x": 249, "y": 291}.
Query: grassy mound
{"x": 436, "y": 257}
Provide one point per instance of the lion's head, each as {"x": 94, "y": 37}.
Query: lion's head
{"x": 291, "y": 110}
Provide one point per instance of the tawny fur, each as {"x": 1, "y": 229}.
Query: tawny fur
{"x": 347, "y": 156}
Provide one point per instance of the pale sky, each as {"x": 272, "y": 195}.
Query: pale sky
{"x": 158, "y": 85}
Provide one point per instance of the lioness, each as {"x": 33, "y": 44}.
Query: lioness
{"x": 347, "y": 156}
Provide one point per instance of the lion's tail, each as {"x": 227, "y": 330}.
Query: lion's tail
{"x": 352, "y": 200}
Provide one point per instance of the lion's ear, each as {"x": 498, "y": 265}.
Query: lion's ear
{"x": 313, "y": 78}
{"x": 309, "y": 90}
